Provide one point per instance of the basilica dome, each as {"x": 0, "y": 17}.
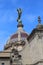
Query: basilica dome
{"x": 17, "y": 38}
{"x": 20, "y": 35}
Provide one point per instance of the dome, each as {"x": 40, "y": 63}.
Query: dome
{"x": 18, "y": 37}
{"x": 22, "y": 34}
{"x": 14, "y": 38}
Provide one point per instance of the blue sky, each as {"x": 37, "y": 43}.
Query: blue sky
{"x": 8, "y": 15}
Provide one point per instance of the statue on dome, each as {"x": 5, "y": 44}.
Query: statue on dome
{"x": 19, "y": 15}
{"x": 39, "y": 20}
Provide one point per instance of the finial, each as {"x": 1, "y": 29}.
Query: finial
{"x": 19, "y": 15}
{"x": 39, "y": 20}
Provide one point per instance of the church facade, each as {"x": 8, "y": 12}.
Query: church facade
{"x": 23, "y": 48}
